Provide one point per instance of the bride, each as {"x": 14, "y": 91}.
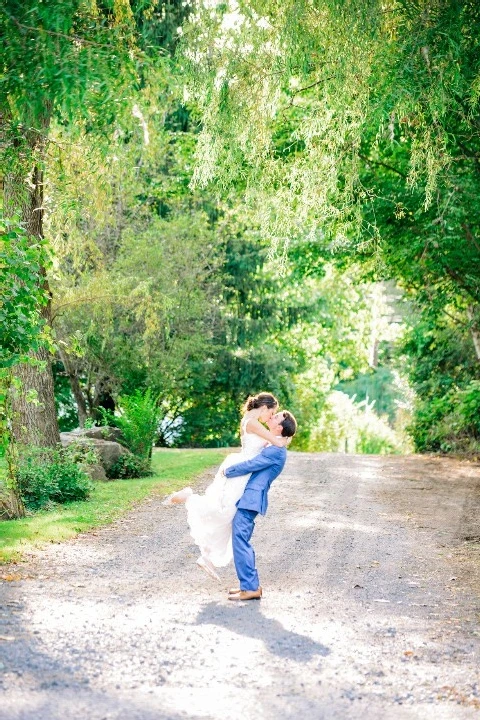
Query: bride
{"x": 210, "y": 516}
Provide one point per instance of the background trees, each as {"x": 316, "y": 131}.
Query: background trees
{"x": 355, "y": 128}
{"x": 234, "y": 217}
{"x": 175, "y": 291}
{"x": 75, "y": 64}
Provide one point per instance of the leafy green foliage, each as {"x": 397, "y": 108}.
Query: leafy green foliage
{"x": 87, "y": 54}
{"x": 144, "y": 268}
{"x": 22, "y": 292}
{"x": 76, "y": 64}
{"x": 190, "y": 305}
{"x": 288, "y": 91}
{"x": 50, "y": 476}
{"x": 138, "y": 419}
{"x": 338, "y": 134}
{"x": 441, "y": 362}
{"x": 79, "y": 66}
{"x": 346, "y": 426}
{"x": 469, "y": 408}
{"x": 130, "y": 466}
{"x": 354, "y": 129}
{"x": 23, "y": 296}
{"x": 81, "y": 452}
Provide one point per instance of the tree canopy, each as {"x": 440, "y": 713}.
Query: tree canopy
{"x": 228, "y": 192}
{"x": 354, "y": 130}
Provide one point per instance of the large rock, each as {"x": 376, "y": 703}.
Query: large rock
{"x": 108, "y": 451}
{"x": 94, "y": 472}
{"x": 98, "y": 433}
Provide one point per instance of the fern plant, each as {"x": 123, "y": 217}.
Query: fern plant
{"x": 138, "y": 421}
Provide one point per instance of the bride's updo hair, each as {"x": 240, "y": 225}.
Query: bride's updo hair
{"x": 257, "y": 401}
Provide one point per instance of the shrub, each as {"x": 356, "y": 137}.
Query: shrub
{"x": 450, "y": 423}
{"x": 130, "y": 466}
{"x": 469, "y": 408}
{"x": 429, "y": 431}
{"x": 443, "y": 371}
{"x": 346, "y": 426}
{"x": 138, "y": 421}
{"x": 37, "y": 485}
{"x": 46, "y": 476}
{"x": 82, "y": 452}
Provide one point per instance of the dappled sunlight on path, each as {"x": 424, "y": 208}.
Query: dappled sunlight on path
{"x": 370, "y": 608}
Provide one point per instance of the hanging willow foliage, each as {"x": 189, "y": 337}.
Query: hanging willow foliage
{"x": 288, "y": 91}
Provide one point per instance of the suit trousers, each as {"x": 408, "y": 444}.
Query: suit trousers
{"x": 243, "y": 553}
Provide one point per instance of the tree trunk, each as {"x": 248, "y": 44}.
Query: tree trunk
{"x": 11, "y": 503}
{"x": 75, "y": 387}
{"x": 103, "y": 398}
{"x": 11, "y": 506}
{"x": 34, "y": 419}
{"x": 34, "y": 422}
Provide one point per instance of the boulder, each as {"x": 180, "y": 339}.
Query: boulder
{"x": 108, "y": 451}
{"x": 94, "y": 472}
{"x": 98, "y": 433}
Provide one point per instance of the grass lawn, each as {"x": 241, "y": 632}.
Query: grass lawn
{"x": 173, "y": 469}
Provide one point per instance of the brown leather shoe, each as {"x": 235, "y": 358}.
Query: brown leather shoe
{"x": 235, "y": 591}
{"x": 246, "y": 595}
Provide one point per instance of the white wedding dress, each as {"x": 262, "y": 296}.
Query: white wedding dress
{"x": 210, "y": 516}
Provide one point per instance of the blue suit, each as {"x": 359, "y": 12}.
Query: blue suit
{"x": 264, "y": 467}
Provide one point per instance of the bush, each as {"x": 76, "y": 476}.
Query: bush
{"x": 450, "y": 423}
{"x": 46, "y": 476}
{"x": 346, "y": 426}
{"x": 130, "y": 466}
{"x": 443, "y": 371}
{"x": 36, "y": 483}
{"x": 469, "y": 408}
{"x": 433, "y": 428}
{"x": 82, "y": 452}
{"x": 138, "y": 421}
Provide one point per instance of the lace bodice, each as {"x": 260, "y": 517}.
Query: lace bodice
{"x": 252, "y": 443}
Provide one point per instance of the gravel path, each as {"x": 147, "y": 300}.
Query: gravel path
{"x": 371, "y": 576}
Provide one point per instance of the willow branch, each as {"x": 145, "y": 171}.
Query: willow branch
{"x": 382, "y": 164}
{"x": 54, "y": 33}
{"x": 79, "y": 301}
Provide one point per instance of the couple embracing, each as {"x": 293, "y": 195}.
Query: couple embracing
{"x": 223, "y": 519}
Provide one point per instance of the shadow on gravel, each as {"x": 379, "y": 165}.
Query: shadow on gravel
{"x": 94, "y": 706}
{"x": 24, "y": 655}
{"x": 248, "y": 620}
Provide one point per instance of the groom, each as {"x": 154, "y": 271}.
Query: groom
{"x": 264, "y": 467}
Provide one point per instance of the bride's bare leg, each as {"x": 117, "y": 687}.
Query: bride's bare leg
{"x": 178, "y": 497}
{"x": 208, "y": 567}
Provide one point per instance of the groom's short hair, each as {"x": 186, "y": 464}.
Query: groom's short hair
{"x": 289, "y": 424}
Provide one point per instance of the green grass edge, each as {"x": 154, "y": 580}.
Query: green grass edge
{"x": 110, "y": 500}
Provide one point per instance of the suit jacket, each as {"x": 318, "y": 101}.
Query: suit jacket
{"x": 265, "y": 467}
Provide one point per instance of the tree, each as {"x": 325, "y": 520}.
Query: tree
{"x": 318, "y": 126}
{"x": 288, "y": 91}
{"x": 74, "y": 63}
{"x": 354, "y": 127}
{"x": 135, "y": 252}
{"x": 21, "y": 329}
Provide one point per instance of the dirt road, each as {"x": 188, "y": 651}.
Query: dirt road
{"x": 371, "y": 608}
